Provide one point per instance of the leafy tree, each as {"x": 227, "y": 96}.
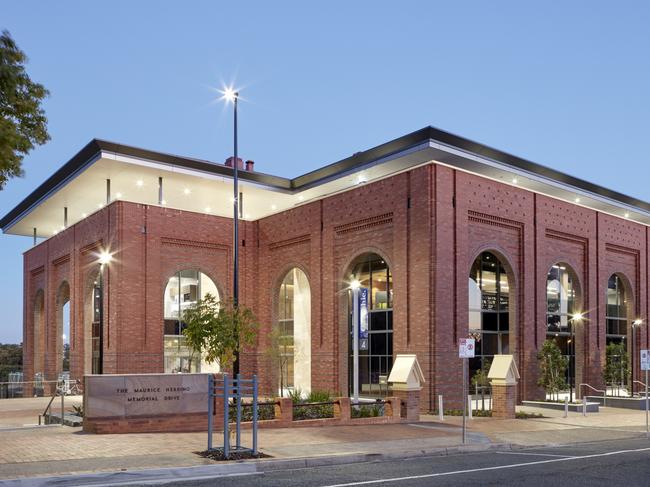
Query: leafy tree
{"x": 552, "y": 368}
{"x": 11, "y": 360}
{"x": 278, "y": 353}
{"x": 22, "y": 120}
{"x": 218, "y": 330}
{"x": 480, "y": 379}
{"x": 616, "y": 369}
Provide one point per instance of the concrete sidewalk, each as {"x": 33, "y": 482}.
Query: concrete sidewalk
{"x": 65, "y": 450}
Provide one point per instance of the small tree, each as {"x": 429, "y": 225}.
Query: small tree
{"x": 616, "y": 369}
{"x": 480, "y": 379}
{"x": 277, "y": 352}
{"x": 219, "y": 330}
{"x": 552, "y": 368}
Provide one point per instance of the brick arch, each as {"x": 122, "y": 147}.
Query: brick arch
{"x": 275, "y": 289}
{"x": 189, "y": 267}
{"x": 341, "y": 301}
{"x": 515, "y": 322}
{"x": 504, "y": 257}
{"x": 352, "y": 256}
{"x": 571, "y": 267}
{"x": 38, "y": 327}
{"x": 85, "y": 337}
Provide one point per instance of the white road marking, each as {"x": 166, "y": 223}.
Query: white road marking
{"x": 534, "y": 454}
{"x": 484, "y": 469}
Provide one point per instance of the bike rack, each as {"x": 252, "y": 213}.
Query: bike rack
{"x": 597, "y": 390}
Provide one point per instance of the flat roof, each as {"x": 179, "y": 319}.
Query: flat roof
{"x": 426, "y": 145}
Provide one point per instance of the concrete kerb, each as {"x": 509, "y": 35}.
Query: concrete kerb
{"x": 236, "y": 468}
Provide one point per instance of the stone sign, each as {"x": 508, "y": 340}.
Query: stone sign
{"x": 125, "y": 396}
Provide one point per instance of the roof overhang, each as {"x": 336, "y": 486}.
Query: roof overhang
{"x": 203, "y": 186}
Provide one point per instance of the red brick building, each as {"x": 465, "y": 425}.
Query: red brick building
{"x": 450, "y": 237}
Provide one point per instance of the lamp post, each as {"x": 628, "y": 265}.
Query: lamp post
{"x": 104, "y": 259}
{"x": 354, "y": 286}
{"x": 233, "y": 96}
{"x": 636, "y": 323}
{"x": 576, "y": 318}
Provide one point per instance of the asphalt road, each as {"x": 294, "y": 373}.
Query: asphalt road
{"x": 622, "y": 462}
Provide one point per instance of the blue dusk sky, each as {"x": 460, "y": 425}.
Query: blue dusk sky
{"x": 565, "y": 84}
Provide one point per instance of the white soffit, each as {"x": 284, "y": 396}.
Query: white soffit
{"x": 136, "y": 180}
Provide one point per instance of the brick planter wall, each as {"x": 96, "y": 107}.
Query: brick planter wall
{"x": 504, "y": 400}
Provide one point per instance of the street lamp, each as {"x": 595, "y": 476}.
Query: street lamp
{"x": 354, "y": 286}
{"x": 636, "y": 323}
{"x": 232, "y": 96}
{"x": 576, "y": 318}
{"x": 104, "y": 259}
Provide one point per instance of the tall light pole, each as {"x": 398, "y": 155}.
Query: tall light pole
{"x": 233, "y": 96}
{"x": 576, "y": 318}
{"x": 354, "y": 286}
{"x": 636, "y": 323}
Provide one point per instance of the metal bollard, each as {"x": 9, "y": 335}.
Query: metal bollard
{"x": 566, "y": 407}
{"x": 469, "y": 404}
{"x": 584, "y": 406}
{"x": 441, "y": 411}
{"x": 62, "y": 406}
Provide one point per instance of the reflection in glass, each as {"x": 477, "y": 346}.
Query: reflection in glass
{"x": 373, "y": 274}
{"x": 294, "y": 320}
{"x": 184, "y": 289}
{"x": 488, "y": 308}
{"x": 617, "y": 314}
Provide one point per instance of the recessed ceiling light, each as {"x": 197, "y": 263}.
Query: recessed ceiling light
{"x": 100, "y": 205}
{"x": 274, "y": 207}
{"x": 301, "y": 197}
{"x": 361, "y": 179}
{"x": 55, "y": 232}
{"x": 577, "y": 200}
{"x": 139, "y": 182}
{"x": 627, "y": 215}
{"x": 118, "y": 195}
{"x": 514, "y": 180}
{"x": 84, "y": 215}
{"x": 62, "y": 227}
{"x": 207, "y": 209}
{"x": 186, "y": 191}
{"x": 163, "y": 202}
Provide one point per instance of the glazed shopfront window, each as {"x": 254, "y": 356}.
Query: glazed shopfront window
{"x": 373, "y": 273}
{"x": 489, "y": 310}
{"x": 183, "y": 290}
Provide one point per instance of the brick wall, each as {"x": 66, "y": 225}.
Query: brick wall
{"x": 429, "y": 224}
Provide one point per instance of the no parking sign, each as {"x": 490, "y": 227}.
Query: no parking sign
{"x": 466, "y": 348}
{"x": 645, "y": 359}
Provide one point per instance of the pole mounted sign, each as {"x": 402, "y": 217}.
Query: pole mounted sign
{"x": 645, "y": 365}
{"x": 363, "y": 318}
{"x": 645, "y": 359}
{"x": 466, "y": 348}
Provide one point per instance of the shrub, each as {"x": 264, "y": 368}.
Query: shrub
{"x": 367, "y": 411}
{"x": 303, "y": 408}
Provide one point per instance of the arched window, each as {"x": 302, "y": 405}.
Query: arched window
{"x": 561, "y": 306}
{"x": 616, "y": 316}
{"x": 294, "y": 322}
{"x": 376, "y": 352}
{"x": 183, "y": 290}
{"x": 63, "y": 328}
{"x": 489, "y": 309}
